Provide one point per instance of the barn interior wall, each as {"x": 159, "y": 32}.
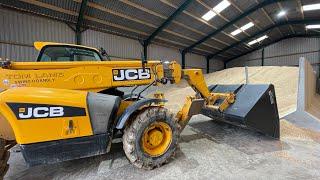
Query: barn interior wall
{"x": 283, "y": 53}
{"x": 20, "y": 30}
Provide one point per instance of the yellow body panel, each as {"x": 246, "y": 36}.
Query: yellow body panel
{"x": 95, "y": 76}
{"x": 196, "y": 80}
{"x": 89, "y": 76}
{"x": 46, "y": 129}
{"x": 39, "y": 45}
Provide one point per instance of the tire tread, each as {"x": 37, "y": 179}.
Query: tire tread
{"x": 4, "y": 157}
{"x": 131, "y": 132}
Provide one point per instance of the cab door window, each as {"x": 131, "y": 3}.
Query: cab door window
{"x": 63, "y": 53}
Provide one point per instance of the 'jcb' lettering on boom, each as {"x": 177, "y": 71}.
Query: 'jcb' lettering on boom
{"x": 131, "y": 74}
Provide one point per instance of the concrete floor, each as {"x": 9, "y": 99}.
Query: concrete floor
{"x": 207, "y": 150}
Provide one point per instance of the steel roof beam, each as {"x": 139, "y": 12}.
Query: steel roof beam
{"x": 301, "y": 11}
{"x": 257, "y": 48}
{"x": 269, "y": 18}
{"x": 273, "y": 42}
{"x": 80, "y": 20}
{"x": 246, "y": 13}
{"x": 241, "y": 11}
{"x": 286, "y": 16}
{"x": 167, "y": 22}
{"x": 264, "y": 31}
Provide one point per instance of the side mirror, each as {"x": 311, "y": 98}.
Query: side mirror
{"x": 6, "y": 64}
{"x": 104, "y": 53}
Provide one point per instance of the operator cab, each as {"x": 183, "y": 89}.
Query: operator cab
{"x": 55, "y": 52}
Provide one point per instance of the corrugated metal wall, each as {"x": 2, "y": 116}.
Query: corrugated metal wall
{"x": 216, "y": 65}
{"x": 23, "y": 29}
{"x": 192, "y": 60}
{"x": 283, "y": 53}
{"x": 157, "y": 52}
{"x": 17, "y": 52}
{"x": 20, "y": 30}
{"x": 196, "y": 61}
{"x": 252, "y": 59}
{"x": 124, "y": 48}
{"x": 287, "y": 52}
{"x": 116, "y": 46}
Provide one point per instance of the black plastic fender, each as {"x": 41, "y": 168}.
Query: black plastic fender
{"x": 131, "y": 109}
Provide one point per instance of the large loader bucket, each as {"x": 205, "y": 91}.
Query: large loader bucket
{"x": 255, "y": 108}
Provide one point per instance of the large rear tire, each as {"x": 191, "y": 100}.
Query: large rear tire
{"x": 151, "y": 138}
{"x": 4, "y": 157}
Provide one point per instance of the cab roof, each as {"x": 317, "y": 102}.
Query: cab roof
{"x": 39, "y": 45}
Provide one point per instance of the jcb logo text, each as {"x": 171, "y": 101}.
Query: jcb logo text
{"x": 40, "y": 112}
{"x": 131, "y": 74}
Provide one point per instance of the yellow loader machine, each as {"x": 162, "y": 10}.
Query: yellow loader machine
{"x": 67, "y": 106}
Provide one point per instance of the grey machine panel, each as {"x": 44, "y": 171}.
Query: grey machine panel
{"x": 102, "y": 110}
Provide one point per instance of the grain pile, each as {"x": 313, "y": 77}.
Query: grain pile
{"x": 285, "y": 80}
{"x": 291, "y": 131}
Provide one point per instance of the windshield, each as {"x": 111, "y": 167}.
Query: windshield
{"x": 67, "y": 53}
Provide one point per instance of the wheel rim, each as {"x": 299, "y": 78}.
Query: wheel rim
{"x": 156, "y": 139}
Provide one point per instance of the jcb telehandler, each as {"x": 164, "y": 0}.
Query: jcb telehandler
{"x": 67, "y": 106}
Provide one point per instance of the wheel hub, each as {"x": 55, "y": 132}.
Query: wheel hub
{"x": 156, "y": 139}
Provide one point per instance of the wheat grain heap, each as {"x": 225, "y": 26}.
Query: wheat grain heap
{"x": 285, "y": 80}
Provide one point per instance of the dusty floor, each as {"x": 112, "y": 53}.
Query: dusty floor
{"x": 207, "y": 150}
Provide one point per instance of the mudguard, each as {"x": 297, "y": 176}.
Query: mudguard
{"x": 135, "y": 106}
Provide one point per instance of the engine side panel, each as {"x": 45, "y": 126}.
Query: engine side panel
{"x": 103, "y": 110}
{"x": 42, "y": 114}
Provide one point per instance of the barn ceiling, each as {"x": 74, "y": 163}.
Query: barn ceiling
{"x": 180, "y": 23}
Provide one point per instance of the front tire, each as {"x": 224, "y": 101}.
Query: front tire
{"x": 151, "y": 138}
{"x": 4, "y": 157}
